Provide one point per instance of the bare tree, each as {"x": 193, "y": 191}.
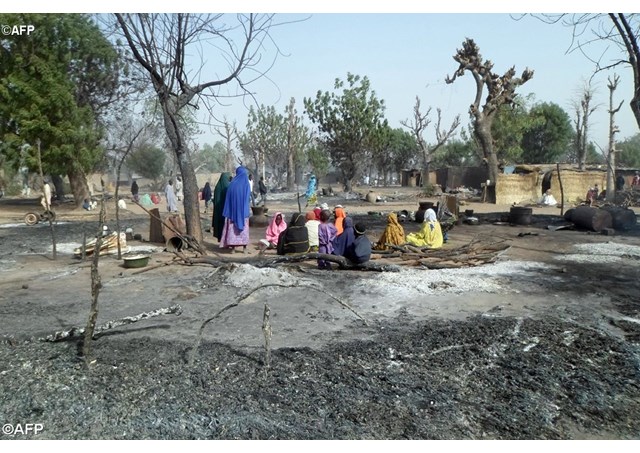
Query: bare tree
{"x": 501, "y": 91}
{"x": 613, "y": 129}
{"x": 229, "y": 133}
{"x": 164, "y": 44}
{"x": 419, "y": 125}
{"x": 620, "y": 29}
{"x": 584, "y": 109}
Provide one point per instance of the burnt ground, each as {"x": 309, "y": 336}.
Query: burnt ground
{"x": 549, "y": 352}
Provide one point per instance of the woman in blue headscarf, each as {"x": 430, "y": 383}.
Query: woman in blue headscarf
{"x": 236, "y": 212}
{"x": 343, "y": 241}
{"x": 312, "y": 198}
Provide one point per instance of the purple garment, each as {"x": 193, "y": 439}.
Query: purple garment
{"x": 344, "y": 240}
{"x": 232, "y": 236}
{"x": 326, "y": 234}
{"x": 236, "y": 204}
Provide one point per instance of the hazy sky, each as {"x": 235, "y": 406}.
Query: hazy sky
{"x": 409, "y": 54}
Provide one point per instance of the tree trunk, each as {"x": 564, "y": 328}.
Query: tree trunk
{"x": 482, "y": 131}
{"x": 78, "y": 183}
{"x": 58, "y": 184}
{"x": 190, "y": 188}
{"x": 191, "y": 201}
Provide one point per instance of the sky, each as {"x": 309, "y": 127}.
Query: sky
{"x": 407, "y": 51}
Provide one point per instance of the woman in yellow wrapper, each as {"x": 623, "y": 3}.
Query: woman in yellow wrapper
{"x": 392, "y": 234}
{"x": 430, "y": 234}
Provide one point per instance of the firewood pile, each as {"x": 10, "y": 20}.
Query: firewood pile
{"x": 476, "y": 253}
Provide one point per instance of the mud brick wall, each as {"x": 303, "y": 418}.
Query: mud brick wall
{"x": 518, "y": 188}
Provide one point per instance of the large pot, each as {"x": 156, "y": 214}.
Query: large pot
{"x": 259, "y": 217}
{"x": 424, "y": 205}
{"x": 519, "y": 215}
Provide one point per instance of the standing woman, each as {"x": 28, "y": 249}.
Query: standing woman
{"x": 206, "y": 196}
{"x": 236, "y": 212}
{"x": 219, "y": 195}
{"x": 311, "y": 195}
{"x": 172, "y": 203}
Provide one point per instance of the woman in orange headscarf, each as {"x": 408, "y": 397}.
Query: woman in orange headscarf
{"x": 392, "y": 234}
{"x": 340, "y": 215}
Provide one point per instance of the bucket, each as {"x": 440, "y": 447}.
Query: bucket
{"x": 175, "y": 244}
{"x": 519, "y": 215}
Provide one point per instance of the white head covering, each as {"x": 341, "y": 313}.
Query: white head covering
{"x": 324, "y": 206}
{"x": 430, "y": 215}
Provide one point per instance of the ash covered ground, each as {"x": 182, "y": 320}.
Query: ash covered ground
{"x": 525, "y": 348}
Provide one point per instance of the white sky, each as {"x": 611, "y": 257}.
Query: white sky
{"x": 407, "y": 55}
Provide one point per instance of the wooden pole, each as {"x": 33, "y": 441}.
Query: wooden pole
{"x": 561, "y": 190}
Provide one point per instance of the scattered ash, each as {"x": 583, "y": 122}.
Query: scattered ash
{"x": 482, "y": 378}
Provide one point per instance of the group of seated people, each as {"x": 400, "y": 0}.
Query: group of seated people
{"x": 430, "y": 233}
{"x": 317, "y": 232}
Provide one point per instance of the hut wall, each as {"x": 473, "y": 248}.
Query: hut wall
{"x": 518, "y": 188}
{"x": 576, "y": 183}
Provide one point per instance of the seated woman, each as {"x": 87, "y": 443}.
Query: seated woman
{"x": 342, "y": 242}
{"x": 392, "y": 234}
{"x": 295, "y": 239}
{"x": 548, "y": 199}
{"x": 276, "y": 226}
{"x": 340, "y": 214}
{"x": 360, "y": 250}
{"x": 312, "y": 229}
{"x": 430, "y": 234}
{"x": 326, "y": 234}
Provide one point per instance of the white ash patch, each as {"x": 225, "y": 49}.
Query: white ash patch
{"x": 413, "y": 282}
{"x": 247, "y": 276}
{"x": 604, "y": 252}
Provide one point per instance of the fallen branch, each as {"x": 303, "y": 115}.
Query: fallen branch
{"x": 271, "y": 261}
{"x": 194, "y": 352}
{"x": 79, "y": 331}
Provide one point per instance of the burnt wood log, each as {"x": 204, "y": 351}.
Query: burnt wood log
{"x": 271, "y": 261}
{"x": 622, "y": 218}
{"x": 594, "y": 219}
{"x": 75, "y": 332}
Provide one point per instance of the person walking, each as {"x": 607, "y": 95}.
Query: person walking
{"x": 135, "y": 190}
{"x": 311, "y": 195}
{"x": 262, "y": 188}
{"x": 219, "y": 196}
{"x": 172, "y": 204}
{"x": 179, "y": 191}
{"x": 206, "y": 196}
{"x": 236, "y": 212}
{"x": 45, "y": 201}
